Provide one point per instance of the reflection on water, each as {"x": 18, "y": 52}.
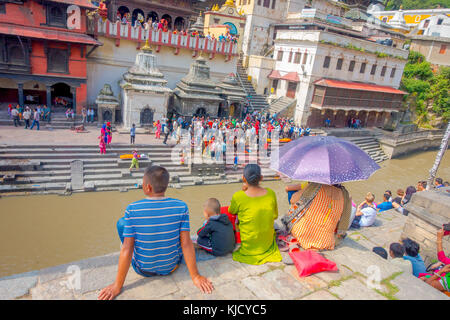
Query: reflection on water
{"x": 42, "y": 231}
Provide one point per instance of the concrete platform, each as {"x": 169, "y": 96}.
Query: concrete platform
{"x": 235, "y": 280}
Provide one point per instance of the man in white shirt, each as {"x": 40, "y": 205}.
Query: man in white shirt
{"x": 26, "y": 117}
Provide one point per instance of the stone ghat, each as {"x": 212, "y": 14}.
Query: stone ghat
{"x": 234, "y": 280}
{"x": 46, "y": 169}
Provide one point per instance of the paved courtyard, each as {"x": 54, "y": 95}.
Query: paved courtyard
{"x": 357, "y": 265}
{"x": 10, "y": 135}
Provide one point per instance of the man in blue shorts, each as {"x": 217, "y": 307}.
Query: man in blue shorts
{"x": 155, "y": 236}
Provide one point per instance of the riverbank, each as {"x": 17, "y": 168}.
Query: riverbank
{"x": 233, "y": 280}
{"x": 58, "y": 229}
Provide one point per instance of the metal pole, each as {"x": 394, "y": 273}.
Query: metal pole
{"x": 440, "y": 155}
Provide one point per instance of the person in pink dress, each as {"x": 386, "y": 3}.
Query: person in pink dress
{"x": 102, "y": 144}
{"x": 158, "y": 130}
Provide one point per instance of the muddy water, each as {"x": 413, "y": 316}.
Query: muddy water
{"x": 42, "y": 231}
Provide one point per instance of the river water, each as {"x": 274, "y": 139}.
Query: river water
{"x": 42, "y": 231}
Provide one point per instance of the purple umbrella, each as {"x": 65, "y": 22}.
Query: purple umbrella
{"x": 323, "y": 159}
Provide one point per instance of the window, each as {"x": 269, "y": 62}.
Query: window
{"x": 57, "y": 60}
{"x": 56, "y": 15}
{"x": 305, "y": 56}
{"x": 439, "y": 22}
{"x": 443, "y": 48}
{"x": 259, "y": 2}
{"x": 16, "y": 55}
{"x": 273, "y": 4}
{"x": 280, "y": 55}
{"x": 392, "y": 72}
{"x": 290, "y": 56}
{"x": 383, "y": 71}
{"x": 266, "y": 3}
{"x": 374, "y": 69}
{"x": 363, "y": 68}
{"x": 326, "y": 62}
{"x": 351, "y": 66}
{"x": 297, "y": 57}
{"x": 2, "y": 8}
{"x": 426, "y": 23}
{"x": 339, "y": 64}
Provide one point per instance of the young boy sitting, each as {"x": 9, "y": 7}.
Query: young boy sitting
{"x": 159, "y": 226}
{"x": 216, "y": 236}
{"x": 365, "y": 213}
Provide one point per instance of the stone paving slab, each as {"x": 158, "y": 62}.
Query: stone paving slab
{"x": 346, "y": 290}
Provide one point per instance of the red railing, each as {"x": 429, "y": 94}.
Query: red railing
{"x": 159, "y": 38}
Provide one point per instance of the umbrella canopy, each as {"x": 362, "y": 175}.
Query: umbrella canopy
{"x": 323, "y": 159}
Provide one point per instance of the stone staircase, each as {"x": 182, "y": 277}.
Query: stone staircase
{"x": 280, "y": 104}
{"x": 371, "y": 146}
{"x": 258, "y": 102}
{"x": 49, "y": 169}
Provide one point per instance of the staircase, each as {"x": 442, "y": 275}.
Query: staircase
{"x": 280, "y": 104}
{"x": 371, "y": 146}
{"x": 42, "y": 169}
{"x": 257, "y": 102}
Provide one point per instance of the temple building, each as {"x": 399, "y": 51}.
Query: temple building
{"x": 196, "y": 94}
{"x": 145, "y": 95}
{"x": 43, "y": 52}
{"x": 227, "y": 18}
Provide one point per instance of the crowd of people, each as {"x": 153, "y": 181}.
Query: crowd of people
{"x": 165, "y": 26}
{"x": 28, "y": 114}
{"x": 210, "y": 130}
{"x": 318, "y": 218}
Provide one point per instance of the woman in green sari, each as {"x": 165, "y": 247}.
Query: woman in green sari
{"x": 257, "y": 209}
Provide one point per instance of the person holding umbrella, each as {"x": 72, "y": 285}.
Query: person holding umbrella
{"x": 324, "y": 206}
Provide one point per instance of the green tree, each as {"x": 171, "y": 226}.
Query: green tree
{"x": 430, "y": 89}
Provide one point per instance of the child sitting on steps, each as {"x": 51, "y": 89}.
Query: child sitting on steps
{"x": 216, "y": 236}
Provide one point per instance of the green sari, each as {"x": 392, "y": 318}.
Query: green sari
{"x": 256, "y": 216}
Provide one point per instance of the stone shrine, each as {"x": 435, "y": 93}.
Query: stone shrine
{"x": 197, "y": 94}
{"x": 107, "y": 104}
{"x": 145, "y": 95}
{"x": 234, "y": 96}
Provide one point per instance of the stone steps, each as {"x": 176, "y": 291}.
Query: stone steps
{"x": 371, "y": 146}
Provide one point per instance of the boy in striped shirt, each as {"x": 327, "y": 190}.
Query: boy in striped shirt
{"x": 155, "y": 235}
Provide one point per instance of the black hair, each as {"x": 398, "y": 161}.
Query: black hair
{"x": 381, "y": 252}
{"x": 439, "y": 180}
{"x": 388, "y": 192}
{"x": 411, "y": 247}
{"x": 397, "y": 249}
{"x": 158, "y": 177}
{"x": 252, "y": 173}
{"x": 386, "y": 196}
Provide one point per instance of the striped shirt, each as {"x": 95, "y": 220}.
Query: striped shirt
{"x": 155, "y": 226}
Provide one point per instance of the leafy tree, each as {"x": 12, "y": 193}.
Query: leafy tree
{"x": 416, "y": 4}
{"x": 429, "y": 89}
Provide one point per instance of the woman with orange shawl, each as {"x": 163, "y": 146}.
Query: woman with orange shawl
{"x": 319, "y": 216}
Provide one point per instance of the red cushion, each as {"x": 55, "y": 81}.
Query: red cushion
{"x": 309, "y": 262}
{"x": 232, "y": 217}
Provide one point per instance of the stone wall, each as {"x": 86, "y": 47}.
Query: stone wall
{"x": 402, "y": 144}
{"x": 428, "y": 211}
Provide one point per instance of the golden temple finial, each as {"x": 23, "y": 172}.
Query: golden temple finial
{"x": 229, "y": 3}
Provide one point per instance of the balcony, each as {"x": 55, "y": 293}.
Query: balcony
{"x": 158, "y": 38}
